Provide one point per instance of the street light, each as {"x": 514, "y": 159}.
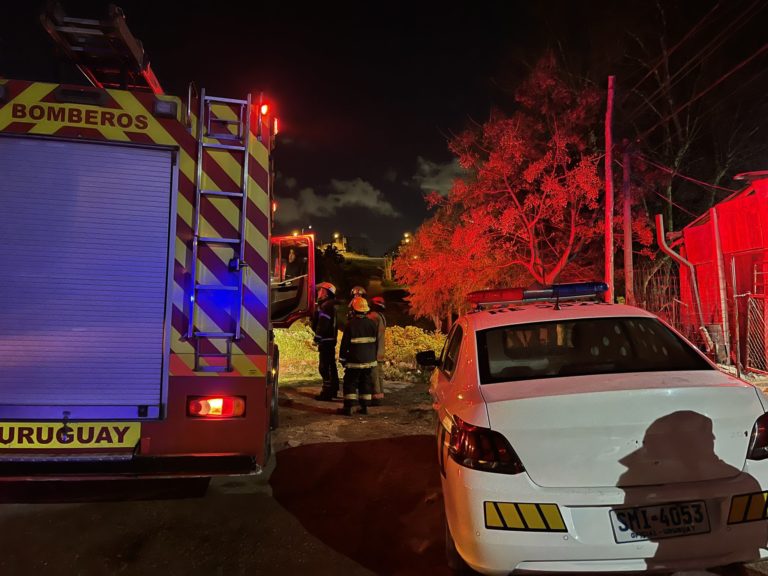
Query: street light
{"x": 335, "y": 235}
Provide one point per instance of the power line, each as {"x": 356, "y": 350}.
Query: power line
{"x": 705, "y": 91}
{"x": 676, "y": 205}
{"x": 726, "y": 98}
{"x": 678, "y": 174}
{"x": 672, "y": 50}
{"x": 706, "y": 51}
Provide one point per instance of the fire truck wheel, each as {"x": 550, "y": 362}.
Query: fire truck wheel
{"x": 274, "y": 416}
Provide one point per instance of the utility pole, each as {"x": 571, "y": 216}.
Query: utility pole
{"x": 629, "y": 273}
{"x": 609, "y": 193}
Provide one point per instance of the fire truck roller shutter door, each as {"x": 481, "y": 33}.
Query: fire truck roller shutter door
{"x": 84, "y": 273}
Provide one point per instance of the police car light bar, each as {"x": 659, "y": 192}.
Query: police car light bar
{"x": 554, "y": 292}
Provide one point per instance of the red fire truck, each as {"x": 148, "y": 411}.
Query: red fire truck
{"x": 139, "y": 280}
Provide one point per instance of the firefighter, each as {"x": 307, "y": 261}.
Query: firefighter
{"x": 357, "y": 355}
{"x": 324, "y": 327}
{"x": 377, "y": 315}
{"x": 357, "y": 291}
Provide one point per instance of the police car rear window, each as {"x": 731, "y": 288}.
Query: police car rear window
{"x": 581, "y": 347}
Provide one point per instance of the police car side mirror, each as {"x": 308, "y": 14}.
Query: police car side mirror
{"x": 426, "y": 359}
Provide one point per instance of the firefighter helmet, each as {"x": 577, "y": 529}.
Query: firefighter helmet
{"x": 378, "y": 301}
{"x": 359, "y": 304}
{"x": 357, "y": 291}
{"x": 327, "y": 286}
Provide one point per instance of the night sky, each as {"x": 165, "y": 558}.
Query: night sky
{"x": 367, "y": 93}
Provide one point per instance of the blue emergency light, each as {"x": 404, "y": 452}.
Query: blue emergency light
{"x": 570, "y": 290}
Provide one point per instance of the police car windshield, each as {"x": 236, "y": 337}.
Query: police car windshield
{"x": 580, "y": 347}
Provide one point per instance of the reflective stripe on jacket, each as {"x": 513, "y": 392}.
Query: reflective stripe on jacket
{"x": 359, "y": 342}
{"x": 324, "y": 321}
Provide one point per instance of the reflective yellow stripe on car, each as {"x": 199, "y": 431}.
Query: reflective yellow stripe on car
{"x": 524, "y": 516}
{"x": 748, "y": 508}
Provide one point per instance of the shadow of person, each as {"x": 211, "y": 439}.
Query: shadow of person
{"x": 679, "y": 494}
{"x": 378, "y": 502}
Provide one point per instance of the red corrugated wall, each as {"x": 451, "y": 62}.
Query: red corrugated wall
{"x": 742, "y": 221}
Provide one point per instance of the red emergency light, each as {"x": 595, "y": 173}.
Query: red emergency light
{"x": 554, "y": 292}
{"x": 215, "y": 406}
{"x": 495, "y": 296}
{"x": 264, "y": 109}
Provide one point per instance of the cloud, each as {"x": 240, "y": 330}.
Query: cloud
{"x": 355, "y": 193}
{"x": 434, "y": 177}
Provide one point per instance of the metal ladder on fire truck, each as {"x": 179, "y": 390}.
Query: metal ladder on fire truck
{"x": 109, "y": 56}
{"x": 104, "y": 50}
{"x": 231, "y": 134}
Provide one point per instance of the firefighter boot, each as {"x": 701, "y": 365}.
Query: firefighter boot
{"x": 327, "y": 393}
{"x": 346, "y": 411}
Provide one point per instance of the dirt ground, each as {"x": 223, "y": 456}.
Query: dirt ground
{"x": 357, "y": 496}
{"x": 407, "y": 410}
{"x": 367, "y": 486}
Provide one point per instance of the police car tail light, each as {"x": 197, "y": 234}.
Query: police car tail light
{"x": 758, "y": 444}
{"x": 215, "y": 406}
{"x": 483, "y": 449}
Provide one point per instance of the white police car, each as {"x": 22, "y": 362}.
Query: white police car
{"x": 582, "y": 436}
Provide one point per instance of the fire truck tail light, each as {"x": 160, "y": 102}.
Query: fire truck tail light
{"x": 215, "y": 406}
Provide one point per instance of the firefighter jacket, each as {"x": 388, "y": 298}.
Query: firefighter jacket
{"x": 359, "y": 343}
{"x": 324, "y": 322}
{"x": 381, "y": 322}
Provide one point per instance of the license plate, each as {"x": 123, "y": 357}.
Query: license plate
{"x": 72, "y": 435}
{"x": 656, "y": 522}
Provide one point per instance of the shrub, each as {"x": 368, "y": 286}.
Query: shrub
{"x": 298, "y": 355}
{"x": 402, "y": 344}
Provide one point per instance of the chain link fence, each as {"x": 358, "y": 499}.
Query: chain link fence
{"x": 755, "y": 360}
{"x": 657, "y": 290}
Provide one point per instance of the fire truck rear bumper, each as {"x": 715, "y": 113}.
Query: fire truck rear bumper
{"x": 110, "y": 466}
